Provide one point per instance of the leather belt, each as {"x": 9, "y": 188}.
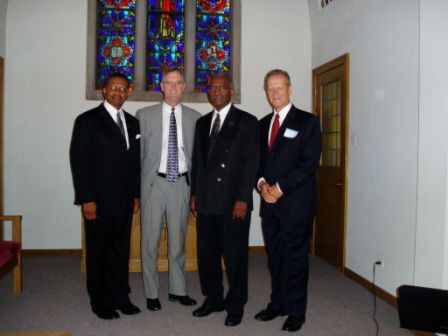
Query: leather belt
{"x": 187, "y": 178}
{"x": 164, "y": 175}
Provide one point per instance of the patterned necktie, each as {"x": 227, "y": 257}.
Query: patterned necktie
{"x": 172, "y": 162}
{"x": 120, "y": 125}
{"x": 213, "y": 135}
{"x": 274, "y": 130}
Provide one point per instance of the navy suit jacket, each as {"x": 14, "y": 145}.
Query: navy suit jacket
{"x": 229, "y": 175}
{"x": 103, "y": 169}
{"x": 291, "y": 163}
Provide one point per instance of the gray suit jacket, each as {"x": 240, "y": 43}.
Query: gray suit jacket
{"x": 151, "y": 141}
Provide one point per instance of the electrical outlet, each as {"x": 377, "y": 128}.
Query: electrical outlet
{"x": 379, "y": 263}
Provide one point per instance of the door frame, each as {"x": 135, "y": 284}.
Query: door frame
{"x": 343, "y": 60}
{"x": 2, "y": 94}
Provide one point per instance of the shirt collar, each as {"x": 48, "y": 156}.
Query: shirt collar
{"x": 223, "y": 112}
{"x": 283, "y": 112}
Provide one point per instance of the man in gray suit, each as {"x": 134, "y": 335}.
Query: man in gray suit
{"x": 167, "y": 131}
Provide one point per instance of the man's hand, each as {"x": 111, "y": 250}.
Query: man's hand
{"x": 193, "y": 206}
{"x": 265, "y": 192}
{"x": 89, "y": 210}
{"x": 239, "y": 210}
{"x": 275, "y": 192}
{"x": 136, "y": 205}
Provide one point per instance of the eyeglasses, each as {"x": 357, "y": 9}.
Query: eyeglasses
{"x": 172, "y": 83}
{"x": 120, "y": 89}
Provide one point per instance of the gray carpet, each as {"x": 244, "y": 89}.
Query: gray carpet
{"x": 55, "y": 300}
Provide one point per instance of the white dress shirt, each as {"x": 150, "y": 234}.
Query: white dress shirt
{"x": 166, "y": 113}
{"x": 222, "y": 116}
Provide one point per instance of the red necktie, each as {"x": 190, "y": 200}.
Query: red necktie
{"x": 274, "y": 130}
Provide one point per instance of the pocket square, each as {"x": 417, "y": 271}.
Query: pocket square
{"x": 290, "y": 133}
{"x": 137, "y": 136}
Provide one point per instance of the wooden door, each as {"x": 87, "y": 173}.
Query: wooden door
{"x": 330, "y": 103}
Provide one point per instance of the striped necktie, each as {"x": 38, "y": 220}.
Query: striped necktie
{"x": 172, "y": 162}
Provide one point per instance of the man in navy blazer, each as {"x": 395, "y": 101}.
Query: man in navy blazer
{"x": 105, "y": 162}
{"x": 291, "y": 144}
{"x": 225, "y": 163}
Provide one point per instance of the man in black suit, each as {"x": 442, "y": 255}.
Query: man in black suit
{"x": 105, "y": 162}
{"x": 224, "y": 169}
{"x": 291, "y": 143}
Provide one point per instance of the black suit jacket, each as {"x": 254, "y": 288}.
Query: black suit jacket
{"x": 229, "y": 175}
{"x": 291, "y": 163}
{"x": 103, "y": 169}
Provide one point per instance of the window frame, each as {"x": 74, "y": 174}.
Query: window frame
{"x": 139, "y": 93}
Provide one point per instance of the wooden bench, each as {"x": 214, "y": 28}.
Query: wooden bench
{"x": 10, "y": 259}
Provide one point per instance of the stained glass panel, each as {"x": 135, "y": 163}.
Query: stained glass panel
{"x": 165, "y": 46}
{"x": 115, "y": 39}
{"x": 213, "y": 40}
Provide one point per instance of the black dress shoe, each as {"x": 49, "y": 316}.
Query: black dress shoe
{"x": 184, "y": 300}
{"x": 129, "y": 309}
{"x": 293, "y": 323}
{"x": 267, "y": 314}
{"x": 233, "y": 319}
{"x": 153, "y": 304}
{"x": 206, "y": 309}
{"x": 106, "y": 314}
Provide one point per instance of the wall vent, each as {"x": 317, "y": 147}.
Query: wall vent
{"x": 323, "y": 3}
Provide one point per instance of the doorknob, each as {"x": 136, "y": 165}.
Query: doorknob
{"x": 339, "y": 185}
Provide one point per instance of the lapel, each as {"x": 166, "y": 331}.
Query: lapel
{"x": 155, "y": 121}
{"x": 225, "y": 136}
{"x": 280, "y": 139}
{"x": 207, "y": 124}
{"x": 110, "y": 124}
{"x": 130, "y": 127}
{"x": 186, "y": 127}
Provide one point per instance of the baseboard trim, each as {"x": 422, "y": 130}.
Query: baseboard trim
{"x": 54, "y": 252}
{"x": 382, "y": 294}
{"x": 78, "y": 252}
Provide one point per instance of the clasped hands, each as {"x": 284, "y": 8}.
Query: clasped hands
{"x": 270, "y": 193}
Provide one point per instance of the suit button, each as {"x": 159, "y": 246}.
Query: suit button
{"x": 218, "y": 179}
{"x": 223, "y": 165}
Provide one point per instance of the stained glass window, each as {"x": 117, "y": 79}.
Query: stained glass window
{"x": 213, "y": 40}
{"x": 141, "y": 38}
{"x": 165, "y": 39}
{"x": 115, "y": 39}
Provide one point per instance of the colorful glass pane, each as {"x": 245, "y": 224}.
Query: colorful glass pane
{"x": 165, "y": 45}
{"x": 115, "y": 39}
{"x": 213, "y": 40}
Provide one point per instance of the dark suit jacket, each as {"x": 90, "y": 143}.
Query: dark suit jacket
{"x": 292, "y": 163}
{"x": 103, "y": 169}
{"x": 230, "y": 173}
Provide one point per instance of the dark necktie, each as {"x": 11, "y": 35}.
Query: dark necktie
{"x": 213, "y": 135}
{"x": 274, "y": 130}
{"x": 120, "y": 125}
{"x": 172, "y": 162}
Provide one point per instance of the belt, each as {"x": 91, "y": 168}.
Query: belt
{"x": 187, "y": 178}
{"x": 164, "y": 175}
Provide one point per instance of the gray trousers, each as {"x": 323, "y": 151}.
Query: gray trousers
{"x": 170, "y": 199}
